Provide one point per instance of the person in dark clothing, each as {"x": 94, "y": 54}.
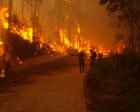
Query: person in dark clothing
{"x": 82, "y": 61}
{"x": 92, "y": 58}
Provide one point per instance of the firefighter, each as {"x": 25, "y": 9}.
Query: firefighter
{"x": 82, "y": 61}
{"x": 92, "y": 58}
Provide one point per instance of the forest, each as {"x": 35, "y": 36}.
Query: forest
{"x": 47, "y": 36}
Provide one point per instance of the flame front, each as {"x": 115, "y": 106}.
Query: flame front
{"x": 3, "y": 18}
{"x": 121, "y": 47}
{"x": 79, "y": 43}
{"x": 25, "y": 32}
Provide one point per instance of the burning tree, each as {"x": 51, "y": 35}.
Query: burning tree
{"x": 20, "y": 34}
{"x": 35, "y": 6}
{"x": 17, "y": 40}
{"x": 69, "y": 26}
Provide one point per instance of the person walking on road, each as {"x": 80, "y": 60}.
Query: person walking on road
{"x": 82, "y": 61}
{"x": 92, "y": 58}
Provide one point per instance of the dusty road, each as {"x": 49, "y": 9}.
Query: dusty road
{"x": 52, "y": 87}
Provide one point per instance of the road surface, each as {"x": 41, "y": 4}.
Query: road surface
{"x": 56, "y": 86}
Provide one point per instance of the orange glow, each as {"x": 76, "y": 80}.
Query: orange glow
{"x": 4, "y": 17}
{"x": 25, "y": 32}
{"x": 67, "y": 1}
{"x": 1, "y": 51}
{"x": 121, "y": 47}
{"x": 79, "y": 30}
{"x": 19, "y": 61}
{"x": 1, "y": 43}
{"x": 79, "y": 43}
{"x": 2, "y": 75}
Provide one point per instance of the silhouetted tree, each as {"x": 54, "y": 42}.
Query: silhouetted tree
{"x": 128, "y": 12}
{"x": 10, "y": 2}
{"x": 35, "y": 6}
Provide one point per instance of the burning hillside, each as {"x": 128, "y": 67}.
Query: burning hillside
{"x": 16, "y": 41}
{"x": 20, "y": 41}
{"x": 25, "y": 31}
{"x": 61, "y": 45}
{"x": 16, "y": 26}
{"x": 78, "y": 43}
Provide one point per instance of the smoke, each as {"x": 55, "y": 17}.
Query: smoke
{"x": 92, "y": 18}
{"x": 119, "y": 36}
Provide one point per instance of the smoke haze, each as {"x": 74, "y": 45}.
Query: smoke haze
{"x": 93, "y": 19}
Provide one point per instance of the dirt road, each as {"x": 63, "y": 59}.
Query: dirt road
{"x": 52, "y": 87}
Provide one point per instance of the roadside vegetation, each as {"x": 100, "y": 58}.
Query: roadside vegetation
{"x": 113, "y": 84}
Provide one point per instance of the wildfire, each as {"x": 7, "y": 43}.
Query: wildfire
{"x": 3, "y": 17}
{"x": 1, "y": 51}
{"x": 63, "y": 38}
{"x": 67, "y": 1}
{"x": 25, "y": 32}
{"x": 79, "y": 43}
{"x": 1, "y": 43}
{"x": 2, "y": 72}
{"x": 2, "y": 75}
{"x": 79, "y": 30}
{"x": 121, "y": 47}
{"x": 21, "y": 29}
{"x": 19, "y": 61}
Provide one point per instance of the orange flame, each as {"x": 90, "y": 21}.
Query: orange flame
{"x": 25, "y": 32}
{"x": 79, "y": 43}
{"x": 121, "y": 47}
{"x": 2, "y": 75}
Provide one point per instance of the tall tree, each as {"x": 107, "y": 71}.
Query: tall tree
{"x": 128, "y": 12}
{"x": 10, "y": 12}
{"x": 22, "y": 9}
{"x": 35, "y": 6}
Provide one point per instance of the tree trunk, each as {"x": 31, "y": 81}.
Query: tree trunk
{"x": 22, "y": 9}
{"x": 69, "y": 25}
{"x": 10, "y": 12}
{"x": 132, "y": 33}
{"x": 131, "y": 37}
{"x": 34, "y": 18}
{"x": 58, "y": 25}
{"x": 133, "y": 16}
